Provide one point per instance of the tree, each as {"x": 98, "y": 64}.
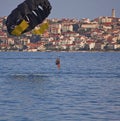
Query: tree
{"x": 118, "y": 41}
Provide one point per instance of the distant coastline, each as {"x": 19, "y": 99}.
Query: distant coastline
{"x": 100, "y": 34}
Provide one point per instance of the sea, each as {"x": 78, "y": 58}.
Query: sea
{"x": 85, "y": 88}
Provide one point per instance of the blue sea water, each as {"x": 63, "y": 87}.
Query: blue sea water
{"x": 85, "y": 88}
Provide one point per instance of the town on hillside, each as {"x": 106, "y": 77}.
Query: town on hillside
{"x": 99, "y": 34}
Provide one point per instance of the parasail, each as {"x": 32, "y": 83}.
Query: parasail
{"x": 27, "y": 16}
{"x": 41, "y": 29}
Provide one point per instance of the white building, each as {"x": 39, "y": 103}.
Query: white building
{"x": 67, "y": 27}
{"x": 55, "y": 28}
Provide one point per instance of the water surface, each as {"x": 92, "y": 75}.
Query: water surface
{"x": 86, "y": 88}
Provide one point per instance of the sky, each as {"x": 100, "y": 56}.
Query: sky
{"x": 70, "y": 8}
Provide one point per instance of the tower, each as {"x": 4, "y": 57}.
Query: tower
{"x": 113, "y": 13}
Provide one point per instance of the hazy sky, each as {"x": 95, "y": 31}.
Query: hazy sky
{"x": 71, "y": 8}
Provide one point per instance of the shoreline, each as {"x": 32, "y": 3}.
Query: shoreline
{"x": 61, "y": 51}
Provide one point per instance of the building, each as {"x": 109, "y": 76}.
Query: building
{"x": 55, "y": 28}
{"x": 91, "y": 25}
{"x": 113, "y": 13}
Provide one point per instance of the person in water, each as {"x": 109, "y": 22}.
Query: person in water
{"x": 58, "y": 63}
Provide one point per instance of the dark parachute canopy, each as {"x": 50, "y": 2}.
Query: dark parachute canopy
{"x": 27, "y": 16}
